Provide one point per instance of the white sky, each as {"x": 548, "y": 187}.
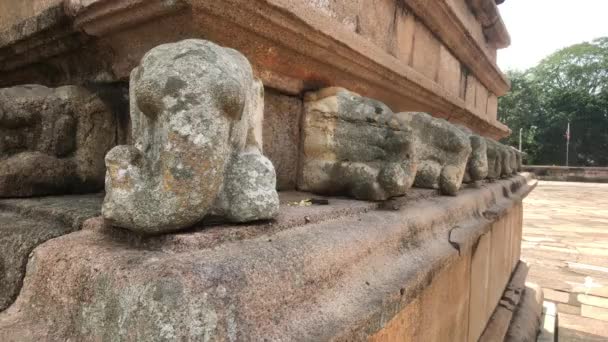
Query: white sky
{"x": 540, "y": 27}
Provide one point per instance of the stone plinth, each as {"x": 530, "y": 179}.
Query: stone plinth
{"x": 349, "y": 270}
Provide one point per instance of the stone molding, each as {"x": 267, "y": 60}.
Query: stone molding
{"x": 494, "y": 28}
{"x": 435, "y": 14}
{"x": 38, "y": 38}
{"x": 101, "y": 17}
{"x": 292, "y": 47}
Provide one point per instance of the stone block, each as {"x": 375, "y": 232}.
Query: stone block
{"x": 594, "y": 312}
{"x": 568, "y": 309}
{"x": 480, "y": 308}
{"x": 449, "y": 73}
{"x": 481, "y": 100}
{"x": 492, "y": 108}
{"x": 282, "y": 117}
{"x": 471, "y": 92}
{"x": 53, "y": 140}
{"x": 426, "y": 52}
{"x": 404, "y": 36}
{"x": 440, "y": 313}
{"x": 556, "y": 296}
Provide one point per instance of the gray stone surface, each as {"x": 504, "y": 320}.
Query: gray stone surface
{"x": 196, "y": 111}
{"x": 442, "y": 151}
{"x": 495, "y": 159}
{"x": 355, "y": 146}
{"x": 53, "y": 141}
{"x": 342, "y": 274}
{"x": 27, "y": 223}
{"x": 477, "y": 166}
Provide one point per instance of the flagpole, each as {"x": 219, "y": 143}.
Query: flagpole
{"x": 568, "y": 145}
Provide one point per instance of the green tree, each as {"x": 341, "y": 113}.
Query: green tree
{"x": 571, "y": 85}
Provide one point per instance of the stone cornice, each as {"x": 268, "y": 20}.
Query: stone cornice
{"x": 37, "y": 38}
{"x": 494, "y": 28}
{"x": 435, "y": 14}
{"x": 101, "y": 17}
{"x": 313, "y": 41}
{"x": 292, "y": 47}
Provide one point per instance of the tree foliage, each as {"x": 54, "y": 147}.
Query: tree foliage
{"x": 571, "y": 85}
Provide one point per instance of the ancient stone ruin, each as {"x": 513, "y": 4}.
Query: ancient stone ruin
{"x": 196, "y": 113}
{"x": 355, "y": 145}
{"x": 52, "y": 141}
{"x": 274, "y": 170}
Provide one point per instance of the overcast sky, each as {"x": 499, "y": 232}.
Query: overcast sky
{"x": 540, "y": 27}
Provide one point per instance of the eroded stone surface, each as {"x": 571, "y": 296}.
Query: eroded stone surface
{"x": 356, "y": 146}
{"x": 196, "y": 114}
{"x": 442, "y": 152}
{"x": 338, "y": 277}
{"x": 53, "y": 141}
{"x": 27, "y": 223}
{"x": 477, "y": 166}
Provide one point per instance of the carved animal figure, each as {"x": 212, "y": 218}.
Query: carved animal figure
{"x": 196, "y": 114}
{"x": 53, "y": 141}
{"x": 355, "y": 146}
{"x": 477, "y": 165}
{"x": 442, "y": 152}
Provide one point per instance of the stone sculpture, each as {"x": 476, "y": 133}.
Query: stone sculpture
{"x": 477, "y": 165}
{"x": 442, "y": 151}
{"x": 355, "y": 146}
{"x": 53, "y": 141}
{"x": 196, "y": 113}
{"x": 495, "y": 159}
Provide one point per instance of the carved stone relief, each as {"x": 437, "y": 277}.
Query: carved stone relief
{"x": 53, "y": 141}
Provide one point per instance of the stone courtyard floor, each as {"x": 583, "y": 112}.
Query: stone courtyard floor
{"x": 565, "y": 241}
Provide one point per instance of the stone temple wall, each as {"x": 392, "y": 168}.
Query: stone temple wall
{"x": 258, "y": 170}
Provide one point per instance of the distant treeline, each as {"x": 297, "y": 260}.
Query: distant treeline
{"x": 571, "y": 85}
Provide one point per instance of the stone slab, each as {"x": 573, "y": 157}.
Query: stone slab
{"x": 340, "y": 275}
{"x": 27, "y": 223}
{"x": 282, "y": 117}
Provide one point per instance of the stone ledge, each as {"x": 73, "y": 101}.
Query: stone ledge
{"x": 27, "y": 223}
{"x": 342, "y": 277}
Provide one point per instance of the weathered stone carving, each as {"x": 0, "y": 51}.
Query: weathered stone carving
{"x": 196, "y": 114}
{"x": 442, "y": 151}
{"x": 53, "y": 141}
{"x": 477, "y": 165}
{"x": 495, "y": 159}
{"x": 355, "y": 146}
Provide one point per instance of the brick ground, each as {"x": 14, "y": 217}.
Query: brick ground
{"x": 566, "y": 242}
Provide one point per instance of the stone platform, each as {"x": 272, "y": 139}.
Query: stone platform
{"x": 349, "y": 270}
{"x": 565, "y": 234}
{"x": 569, "y": 173}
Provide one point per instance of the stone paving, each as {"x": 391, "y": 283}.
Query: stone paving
{"x": 565, "y": 241}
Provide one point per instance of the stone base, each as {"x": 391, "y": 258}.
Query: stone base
{"x": 27, "y": 223}
{"x": 350, "y": 270}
